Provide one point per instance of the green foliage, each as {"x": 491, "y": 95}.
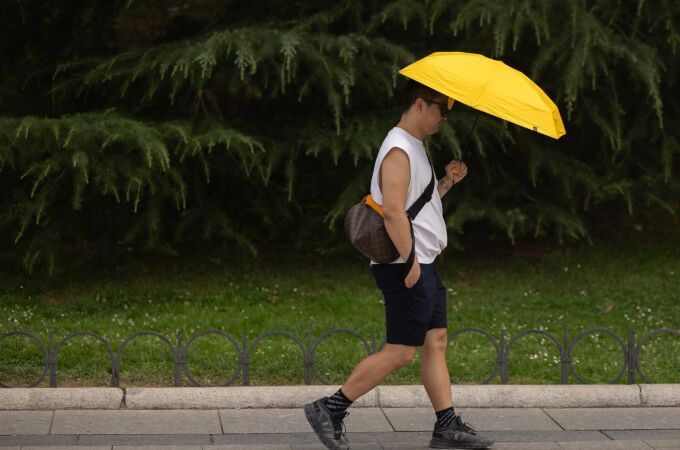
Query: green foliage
{"x": 167, "y": 123}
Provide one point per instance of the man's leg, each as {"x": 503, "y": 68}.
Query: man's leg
{"x": 372, "y": 370}
{"x": 434, "y": 371}
{"x": 326, "y": 414}
{"x": 449, "y": 431}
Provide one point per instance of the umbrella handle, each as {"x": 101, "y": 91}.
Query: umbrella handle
{"x": 467, "y": 144}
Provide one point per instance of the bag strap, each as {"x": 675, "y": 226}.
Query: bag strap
{"x": 412, "y": 212}
{"x": 425, "y": 197}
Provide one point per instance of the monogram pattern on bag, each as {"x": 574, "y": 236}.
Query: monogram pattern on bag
{"x": 366, "y": 231}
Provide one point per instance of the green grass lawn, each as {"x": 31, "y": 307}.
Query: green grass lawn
{"x": 623, "y": 282}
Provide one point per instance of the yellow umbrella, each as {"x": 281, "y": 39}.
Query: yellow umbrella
{"x": 490, "y": 86}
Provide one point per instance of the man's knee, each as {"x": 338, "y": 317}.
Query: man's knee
{"x": 405, "y": 356}
{"x": 436, "y": 340}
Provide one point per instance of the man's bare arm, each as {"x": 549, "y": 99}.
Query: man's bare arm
{"x": 395, "y": 176}
{"x": 443, "y": 186}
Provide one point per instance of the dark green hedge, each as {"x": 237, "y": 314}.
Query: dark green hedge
{"x": 242, "y": 125}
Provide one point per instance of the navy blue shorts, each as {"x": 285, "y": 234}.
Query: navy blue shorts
{"x": 411, "y": 313}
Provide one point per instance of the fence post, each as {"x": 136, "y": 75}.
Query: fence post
{"x": 180, "y": 360}
{"x": 115, "y": 368}
{"x": 565, "y": 359}
{"x": 52, "y": 361}
{"x": 245, "y": 361}
{"x": 630, "y": 357}
{"x": 503, "y": 359}
{"x": 308, "y": 358}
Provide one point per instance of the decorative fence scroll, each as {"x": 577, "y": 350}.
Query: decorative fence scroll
{"x": 631, "y": 348}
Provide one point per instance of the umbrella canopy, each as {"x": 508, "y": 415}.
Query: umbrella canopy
{"x": 491, "y": 86}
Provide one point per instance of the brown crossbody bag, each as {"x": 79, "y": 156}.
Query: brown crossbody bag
{"x": 365, "y": 227}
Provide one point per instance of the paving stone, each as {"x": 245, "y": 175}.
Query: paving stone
{"x": 294, "y": 420}
{"x": 481, "y": 419}
{"x": 664, "y": 444}
{"x": 403, "y": 445}
{"x": 310, "y": 438}
{"x": 265, "y": 438}
{"x": 159, "y": 447}
{"x": 142, "y": 439}
{"x": 496, "y": 446}
{"x": 541, "y": 436}
{"x": 320, "y": 446}
{"x": 604, "y": 445}
{"x": 67, "y": 447}
{"x": 526, "y": 446}
{"x": 136, "y": 422}
{"x": 25, "y": 422}
{"x": 645, "y": 435}
{"x": 248, "y": 447}
{"x": 366, "y": 420}
{"x": 393, "y": 437}
{"x": 41, "y": 440}
{"x": 264, "y": 421}
{"x": 616, "y": 418}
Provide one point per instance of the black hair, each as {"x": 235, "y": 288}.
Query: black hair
{"x": 415, "y": 90}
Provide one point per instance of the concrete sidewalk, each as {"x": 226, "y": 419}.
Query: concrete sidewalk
{"x": 528, "y": 417}
{"x": 367, "y": 428}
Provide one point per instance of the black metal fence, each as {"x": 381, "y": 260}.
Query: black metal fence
{"x": 630, "y": 352}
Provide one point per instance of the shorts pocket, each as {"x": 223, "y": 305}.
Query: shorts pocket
{"x": 419, "y": 282}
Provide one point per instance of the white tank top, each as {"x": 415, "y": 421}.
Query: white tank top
{"x": 428, "y": 227}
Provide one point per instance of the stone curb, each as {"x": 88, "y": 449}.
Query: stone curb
{"x": 471, "y": 396}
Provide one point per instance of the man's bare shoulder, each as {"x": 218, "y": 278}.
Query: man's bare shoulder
{"x": 395, "y": 167}
{"x": 396, "y": 157}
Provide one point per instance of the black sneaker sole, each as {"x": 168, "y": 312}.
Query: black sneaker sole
{"x": 445, "y": 444}
{"x": 309, "y": 410}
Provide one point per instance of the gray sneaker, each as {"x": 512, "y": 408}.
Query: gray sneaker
{"x": 458, "y": 435}
{"x": 327, "y": 425}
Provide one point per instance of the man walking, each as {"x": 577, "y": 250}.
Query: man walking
{"x": 415, "y": 303}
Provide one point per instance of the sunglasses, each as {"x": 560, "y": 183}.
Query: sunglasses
{"x": 443, "y": 107}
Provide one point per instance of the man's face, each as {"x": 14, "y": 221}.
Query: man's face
{"x": 433, "y": 113}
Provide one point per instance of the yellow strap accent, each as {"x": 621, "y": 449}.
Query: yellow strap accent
{"x": 368, "y": 200}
